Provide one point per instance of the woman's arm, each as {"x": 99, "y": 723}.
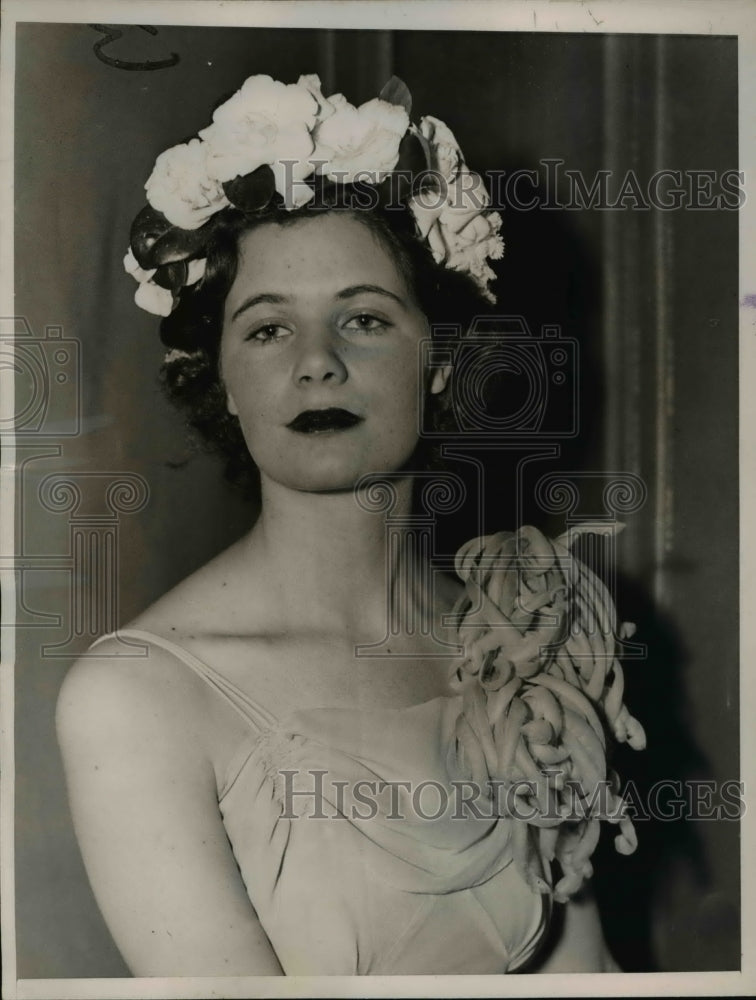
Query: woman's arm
{"x": 579, "y": 945}
{"x": 143, "y": 799}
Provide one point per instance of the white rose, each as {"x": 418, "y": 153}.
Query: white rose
{"x": 466, "y": 198}
{"x": 446, "y": 156}
{"x": 180, "y": 188}
{"x": 264, "y": 122}
{"x": 460, "y": 219}
{"x": 473, "y": 258}
{"x": 452, "y": 212}
{"x": 362, "y": 140}
{"x": 480, "y": 235}
{"x": 476, "y": 265}
{"x": 489, "y": 248}
{"x": 465, "y": 239}
{"x": 326, "y": 105}
{"x": 154, "y": 299}
{"x": 131, "y": 266}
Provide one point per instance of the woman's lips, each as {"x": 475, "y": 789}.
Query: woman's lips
{"x": 320, "y": 421}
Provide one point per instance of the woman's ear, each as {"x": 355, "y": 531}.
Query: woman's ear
{"x": 440, "y": 379}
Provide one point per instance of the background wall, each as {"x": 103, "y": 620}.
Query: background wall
{"x": 649, "y": 296}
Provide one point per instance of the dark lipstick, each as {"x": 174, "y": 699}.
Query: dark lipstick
{"x": 319, "y": 421}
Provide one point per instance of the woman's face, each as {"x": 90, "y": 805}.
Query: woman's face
{"x": 320, "y": 355}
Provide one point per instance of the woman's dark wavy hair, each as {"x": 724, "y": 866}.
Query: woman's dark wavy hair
{"x": 192, "y": 381}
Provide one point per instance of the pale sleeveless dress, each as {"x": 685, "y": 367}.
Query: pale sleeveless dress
{"x": 405, "y": 891}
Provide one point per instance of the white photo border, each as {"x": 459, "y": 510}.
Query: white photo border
{"x": 733, "y": 17}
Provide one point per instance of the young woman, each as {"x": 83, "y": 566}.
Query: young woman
{"x": 251, "y": 796}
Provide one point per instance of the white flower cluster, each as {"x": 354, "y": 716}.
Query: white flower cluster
{"x": 297, "y": 132}
{"x": 293, "y": 129}
{"x": 452, "y": 211}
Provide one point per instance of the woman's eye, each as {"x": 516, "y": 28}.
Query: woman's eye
{"x": 366, "y": 323}
{"x": 267, "y": 333}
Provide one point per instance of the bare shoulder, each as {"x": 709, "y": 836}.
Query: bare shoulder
{"x": 150, "y": 695}
{"x": 142, "y": 787}
{"x": 109, "y": 699}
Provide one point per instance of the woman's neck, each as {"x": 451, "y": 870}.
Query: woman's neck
{"x": 325, "y": 561}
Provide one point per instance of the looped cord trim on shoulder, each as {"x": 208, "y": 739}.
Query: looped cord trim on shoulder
{"x": 541, "y": 686}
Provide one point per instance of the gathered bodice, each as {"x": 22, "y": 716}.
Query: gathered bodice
{"x": 358, "y": 853}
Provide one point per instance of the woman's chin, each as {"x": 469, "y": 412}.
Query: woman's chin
{"x": 337, "y": 476}
{"x": 325, "y": 481}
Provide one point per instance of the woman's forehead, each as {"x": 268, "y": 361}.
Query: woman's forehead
{"x": 321, "y": 249}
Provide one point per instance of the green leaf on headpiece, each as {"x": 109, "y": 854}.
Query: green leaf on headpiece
{"x": 252, "y": 192}
{"x": 396, "y": 91}
{"x": 156, "y": 241}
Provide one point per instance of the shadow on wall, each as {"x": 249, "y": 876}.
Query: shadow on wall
{"x": 662, "y": 907}
{"x": 640, "y": 896}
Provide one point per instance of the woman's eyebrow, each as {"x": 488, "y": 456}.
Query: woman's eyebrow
{"x": 254, "y": 300}
{"x": 348, "y": 293}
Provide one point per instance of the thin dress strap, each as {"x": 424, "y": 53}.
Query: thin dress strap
{"x": 250, "y": 711}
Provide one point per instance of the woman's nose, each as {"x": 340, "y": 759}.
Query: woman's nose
{"x": 318, "y": 359}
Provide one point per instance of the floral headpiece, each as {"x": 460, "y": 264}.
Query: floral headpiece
{"x": 273, "y": 138}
